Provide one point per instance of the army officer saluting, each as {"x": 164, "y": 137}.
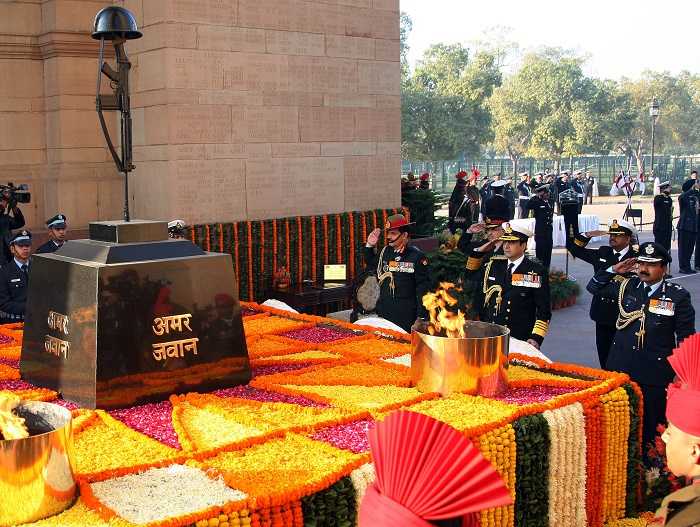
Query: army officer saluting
{"x": 402, "y": 271}
{"x": 514, "y": 290}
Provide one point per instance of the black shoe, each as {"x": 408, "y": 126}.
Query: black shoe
{"x": 687, "y": 271}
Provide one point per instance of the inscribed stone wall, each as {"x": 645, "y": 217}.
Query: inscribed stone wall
{"x": 49, "y": 137}
{"x": 241, "y": 108}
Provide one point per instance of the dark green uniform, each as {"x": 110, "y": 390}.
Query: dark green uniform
{"x": 403, "y": 280}
{"x": 519, "y": 300}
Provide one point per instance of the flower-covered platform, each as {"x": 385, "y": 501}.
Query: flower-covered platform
{"x": 291, "y": 448}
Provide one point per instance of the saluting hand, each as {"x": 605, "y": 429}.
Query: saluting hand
{"x": 625, "y": 266}
{"x": 476, "y": 227}
{"x": 373, "y": 237}
{"x": 595, "y": 234}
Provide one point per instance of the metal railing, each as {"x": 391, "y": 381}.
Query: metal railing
{"x": 603, "y": 168}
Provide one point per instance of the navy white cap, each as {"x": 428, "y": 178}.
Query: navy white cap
{"x": 515, "y": 233}
{"x": 499, "y": 183}
{"x": 57, "y": 222}
{"x": 22, "y": 237}
{"x": 665, "y": 184}
{"x": 621, "y": 227}
{"x": 543, "y": 187}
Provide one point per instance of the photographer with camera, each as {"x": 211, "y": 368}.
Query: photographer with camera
{"x": 10, "y": 215}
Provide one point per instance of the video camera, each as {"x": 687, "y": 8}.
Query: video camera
{"x": 15, "y": 194}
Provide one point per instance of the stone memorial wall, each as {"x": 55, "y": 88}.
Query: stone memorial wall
{"x": 242, "y": 109}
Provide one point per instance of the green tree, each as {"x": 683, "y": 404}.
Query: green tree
{"x": 514, "y": 118}
{"x": 676, "y": 127}
{"x": 405, "y": 30}
{"x": 550, "y": 108}
{"x": 445, "y": 103}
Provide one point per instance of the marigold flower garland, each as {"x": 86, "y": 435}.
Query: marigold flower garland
{"x": 592, "y": 411}
{"x": 351, "y": 257}
{"x": 236, "y": 257}
{"x": 616, "y": 425}
{"x": 300, "y": 252}
{"x": 314, "y": 265}
{"x": 287, "y": 245}
{"x": 498, "y": 446}
{"x": 338, "y": 240}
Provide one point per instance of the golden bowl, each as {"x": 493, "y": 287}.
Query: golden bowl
{"x": 475, "y": 365}
{"x": 36, "y": 473}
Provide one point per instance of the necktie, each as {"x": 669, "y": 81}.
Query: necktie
{"x": 617, "y": 256}
{"x": 510, "y": 269}
{"x": 25, "y": 269}
{"x": 647, "y": 290}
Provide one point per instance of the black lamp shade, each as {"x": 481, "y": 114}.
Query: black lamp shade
{"x": 115, "y": 22}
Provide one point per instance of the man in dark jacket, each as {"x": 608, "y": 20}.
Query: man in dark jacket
{"x": 689, "y": 201}
{"x": 653, "y": 317}
{"x": 14, "y": 279}
{"x": 57, "y": 234}
{"x": 544, "y": 217}
{"x": 514, "y": 290}
{"x": 402, "y": 271}
{"x": 524, "y": 194}
{"x": 577, "y": 185}
{"x": 509, "y": 193}
{"x": 604, "y": 310}
{"x": 663, "y": 216}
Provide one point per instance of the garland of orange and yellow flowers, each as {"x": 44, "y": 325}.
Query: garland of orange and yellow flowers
{"x": 498, "y": 446}
{"x": 616, "y": 426}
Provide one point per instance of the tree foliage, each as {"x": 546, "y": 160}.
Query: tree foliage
{"x": 445, "y": 103}
{"x": 457, "y": 102}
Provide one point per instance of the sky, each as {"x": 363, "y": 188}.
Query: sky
{"x": 620, "y": 37}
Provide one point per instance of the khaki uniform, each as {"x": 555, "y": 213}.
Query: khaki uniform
{"x": 680, "y": 509}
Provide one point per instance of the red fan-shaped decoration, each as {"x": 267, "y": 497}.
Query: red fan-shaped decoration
{"x": 426, "y": 470}
{"x": 686, "y": 362}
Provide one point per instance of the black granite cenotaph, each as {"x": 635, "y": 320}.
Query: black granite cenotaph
{"x": 130, "y": 316}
